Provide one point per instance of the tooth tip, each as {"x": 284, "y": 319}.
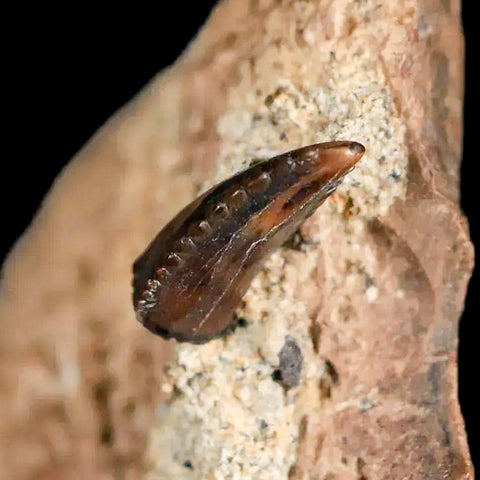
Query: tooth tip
{"x": 356, "y": 147}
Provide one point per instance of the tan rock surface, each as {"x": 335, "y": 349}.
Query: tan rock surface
{"x": 372, "y": 296}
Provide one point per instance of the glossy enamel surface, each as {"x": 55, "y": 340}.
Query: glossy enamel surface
{"x": 194, "y": 273}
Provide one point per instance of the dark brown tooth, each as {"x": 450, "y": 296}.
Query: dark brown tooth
{"x": 259, "y": 184}
{"x": 199, "y": 230}
{"x": 206, "y": 257}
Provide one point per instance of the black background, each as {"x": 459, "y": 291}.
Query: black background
{"x": 469, "y": 353}
{"x": 68, "y": 72}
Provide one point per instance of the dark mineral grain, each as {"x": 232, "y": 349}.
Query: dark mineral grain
{"x": 290, "y": 364}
